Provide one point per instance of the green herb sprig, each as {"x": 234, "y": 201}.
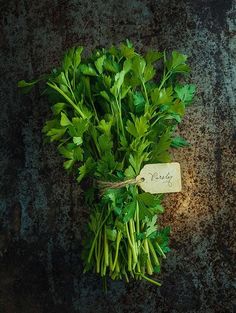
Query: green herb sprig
{"x": 113, "y": 112}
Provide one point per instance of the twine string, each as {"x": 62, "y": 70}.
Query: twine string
{"x": 104, "y": 185}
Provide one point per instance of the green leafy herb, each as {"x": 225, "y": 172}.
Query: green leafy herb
{"x": 185, "y": 93}
{"x": 110, "y": 117}
{"x": 179, "y": 142}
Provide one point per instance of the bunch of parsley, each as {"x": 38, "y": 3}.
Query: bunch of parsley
{"x": 111, "y": 114}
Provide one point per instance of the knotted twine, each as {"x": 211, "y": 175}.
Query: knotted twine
{"x": 105, "y": 185}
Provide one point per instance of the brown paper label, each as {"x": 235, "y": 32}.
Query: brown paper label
{"x": 160, "y": 178}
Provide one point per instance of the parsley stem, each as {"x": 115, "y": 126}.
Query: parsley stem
{"x": 99, "y": 252}
{"x": 117, "y": 266}
{"x": 94, "y": 109}
{"x": 160, "y": 250}
{"x": 120, "y": 116}
{"x": 103, "y": 265}
{"x": 149, "y": 279}
{"x": 164, "y": 79}
{"x": 145, "y": 91}
{"x": 132, "y": 232}
{"x": 96, "y": 250}
{"x": 96, "y": 236}
{"x": 69, "y": 85}
{"x": 131, "y": 245}
{"x": 149, "y": 267}
{"x": 106, "y": 248}
{"x": 129, "y": 259}
{"x": 125, "y": 274}
{"x": 118, "y": 239}
{"x": 137, "y": 218}
{"x": 110, "y": 260}
{"x": 148, "y": 263}
{"x": 153, "y": 253}
{"x": 55, "y": 87}
{"x": 74, "y": 78}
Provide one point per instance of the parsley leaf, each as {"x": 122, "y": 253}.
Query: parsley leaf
{"x": 185, "y": 93}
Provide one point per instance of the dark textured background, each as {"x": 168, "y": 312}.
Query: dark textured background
{"x": 41, "y": 216}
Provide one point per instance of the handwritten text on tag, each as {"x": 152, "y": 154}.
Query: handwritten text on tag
{"x": 160, "y": 178}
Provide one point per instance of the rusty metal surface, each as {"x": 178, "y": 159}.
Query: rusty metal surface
{"x": 41, "y": 215}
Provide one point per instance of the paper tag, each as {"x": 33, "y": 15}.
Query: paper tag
{"x": 160, "y": 178}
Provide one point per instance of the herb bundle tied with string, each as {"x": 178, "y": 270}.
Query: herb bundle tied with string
{"x": 113, "y": 112}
